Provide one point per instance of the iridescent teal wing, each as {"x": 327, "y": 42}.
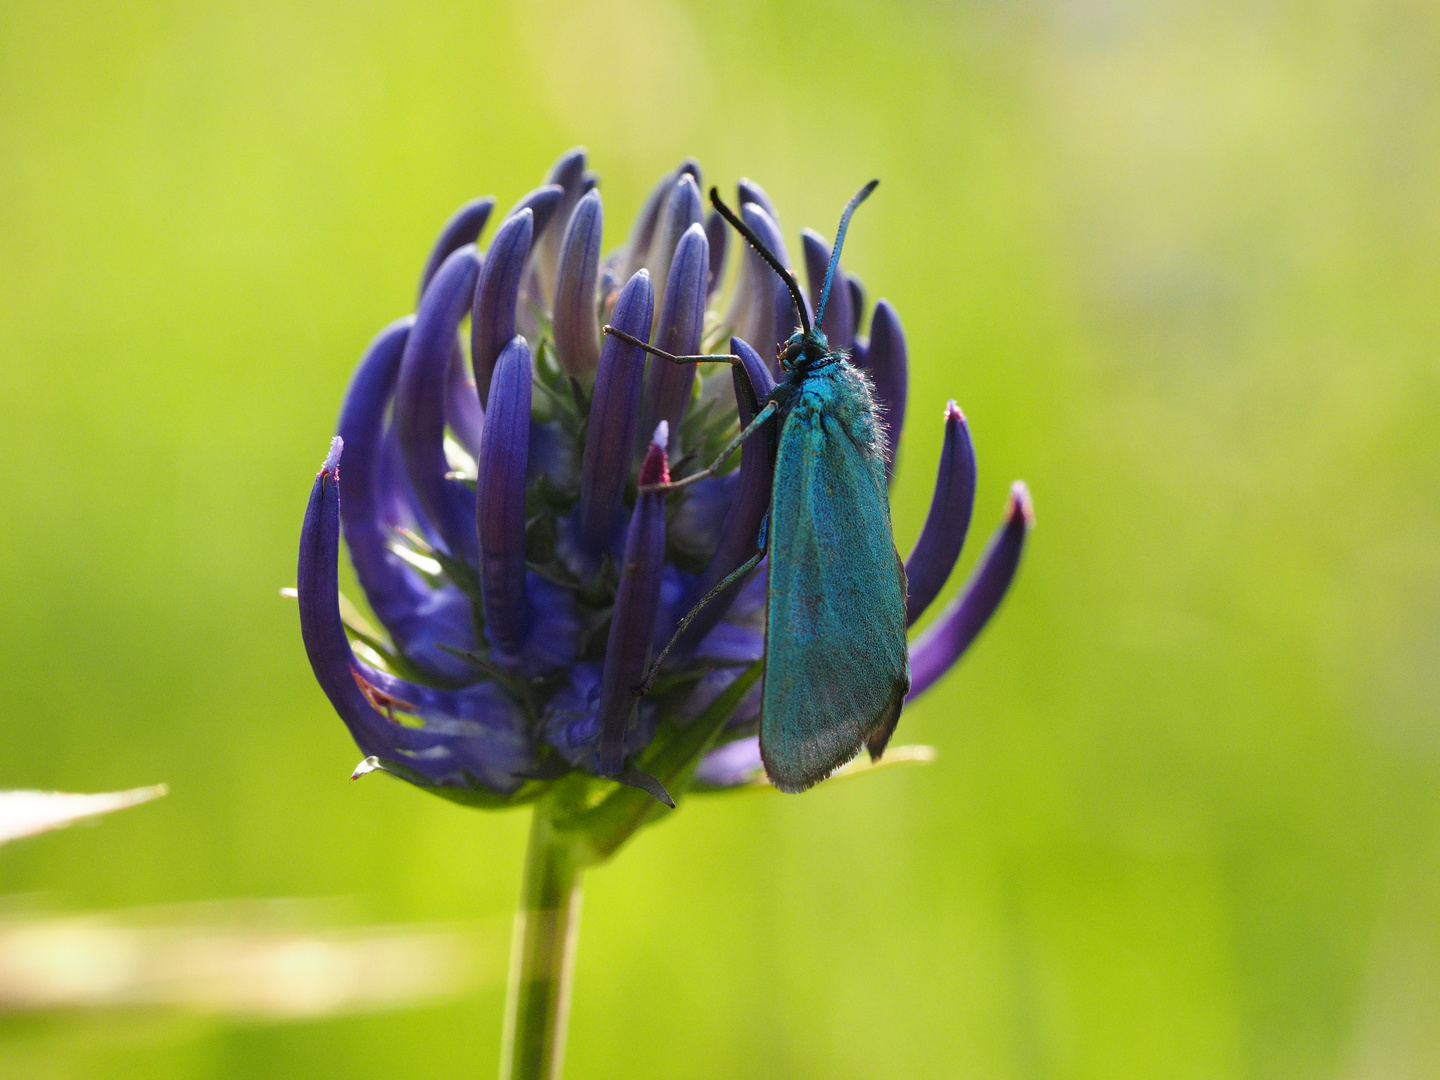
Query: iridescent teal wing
{"x": 837, "y": 666}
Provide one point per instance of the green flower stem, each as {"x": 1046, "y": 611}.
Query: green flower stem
{"x": 547, "y": 927}
{"x": 569, "y": 833}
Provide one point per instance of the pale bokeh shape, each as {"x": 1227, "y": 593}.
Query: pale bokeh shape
{"x": 25, "y": 813}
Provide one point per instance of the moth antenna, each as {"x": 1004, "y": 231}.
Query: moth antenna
{"x": 765, "y": 253}
{"x": 860, "y": 196}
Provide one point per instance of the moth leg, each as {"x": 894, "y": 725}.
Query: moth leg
{"x": 771, "y": 407}
{"x": 746, "y": 386}
{"x": 730, "y": 579}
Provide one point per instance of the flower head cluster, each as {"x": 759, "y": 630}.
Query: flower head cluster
{"x": 489, "y": 496}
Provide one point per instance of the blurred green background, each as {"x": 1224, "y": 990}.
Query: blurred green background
{"x": 1178, "y": 262}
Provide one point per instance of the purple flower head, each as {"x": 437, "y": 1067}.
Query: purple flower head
{"x": 495, "y": 488}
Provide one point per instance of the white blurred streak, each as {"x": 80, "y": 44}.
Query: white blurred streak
{"x": 894, "y": 755}
{"x": 423, "y": 563}
{"x": 863, "y": 766}
{"x": 232, "y": 969}
{"x": 25, "y": 813}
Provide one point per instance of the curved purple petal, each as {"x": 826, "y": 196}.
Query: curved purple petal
{"x": 469, "y": 736}
{"x": 637, "y": 601}
{"x": 608, "y": 291}
{"x": 787, "y": 318}
{"x": 420, "y": 402}
{"x": 731, "y": 765}
{"x": 463, "y": 414}
{"x": 738, "y": 640}
{"x": 682, "y": 210}
{"x": 717, "y": 232}
{"x": 395, "y": 496}
{"x": 740, "y": 532}
{"x": 568, "y": 173}
{"x": 571, "y": 722}
{"x": 750, "y": 192}
{"x": 492, "y": 314}
{"x": 464, "y": 227}
{"x": 839, "y": 321}
{"x": 951, "y": 505}
{"x": 554, "y": 455}
{"x": 552, "y": 642}
{"x": 741, "y": 634}
{"x": 682, "y": 318}
{"x": 420, "y": 619}
{"x": 695, "y": 524}
{"x": 542, "y": 204}
{"x": 857, "y": 304}
{"x": 752, "y": 314}
{"x": 614, "y": 411}
{"x": 632, "y": 254}
{"x": 576, "y": 331}
{"x": 500, "y": 499}
{"x": 944, "y": 642}
{"x": 887, "y": 360}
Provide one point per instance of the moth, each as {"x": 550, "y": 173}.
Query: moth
{"x": 837, "y": 664}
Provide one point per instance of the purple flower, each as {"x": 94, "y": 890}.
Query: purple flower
{"x": 486, "y": 484}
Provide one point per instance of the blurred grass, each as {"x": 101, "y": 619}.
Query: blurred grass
{"x": 1179, "y": 264}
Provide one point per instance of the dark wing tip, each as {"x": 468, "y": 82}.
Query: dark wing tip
{"x": 880, "y": 738}
{"x": 791, "y": 778}
{"x": 795, "y": 777}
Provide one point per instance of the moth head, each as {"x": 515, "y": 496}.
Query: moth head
{"x": 805, "y": 347}
{"x": 791, "y": 350}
